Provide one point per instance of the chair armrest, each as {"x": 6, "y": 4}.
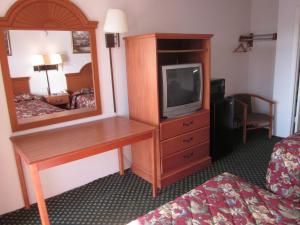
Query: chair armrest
{"x": 263, "y": 98}
{"x": 241, "y": 103}
{"x": 271, "y": 103}
{"x": 245, "y": 108}
{"x": 259, "y": 97}
{"x": 245, "y": 113}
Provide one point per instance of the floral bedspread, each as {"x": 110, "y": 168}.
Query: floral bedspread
{"x": 34, "y": 107}
{"x": 83, "y": 98}
{"x": 85, "y": 101}
{"x": 283, "y": 175}
{"x": 225, "y": 200}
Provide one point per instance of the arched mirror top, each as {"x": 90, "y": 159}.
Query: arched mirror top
{"x": 67, "y": 30}
{"x": 46, "y": 14}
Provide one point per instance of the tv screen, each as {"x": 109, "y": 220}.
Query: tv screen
{"x": 181, "y": 89}
{"x": 183, "y": 86}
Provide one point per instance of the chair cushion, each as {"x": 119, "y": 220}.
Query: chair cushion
{"x": 253, "y": 119}
{"x": 258, "y": 119}
{"x": 283, "y": 174}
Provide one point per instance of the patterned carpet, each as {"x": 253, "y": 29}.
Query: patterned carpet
{"x": 118, "y": 200}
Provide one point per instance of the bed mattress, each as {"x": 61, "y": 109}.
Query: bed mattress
{"x": 83, "y": 98}
{"x": 283, "y": 175}
{"x": 225, "y": 199}
{"x": 34, "y": 107}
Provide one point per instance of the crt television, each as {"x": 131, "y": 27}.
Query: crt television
{"x": 182, "y": 89}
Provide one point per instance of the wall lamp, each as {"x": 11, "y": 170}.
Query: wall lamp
{"x": 45, "y": 63}
{"x": 115, "y": 24}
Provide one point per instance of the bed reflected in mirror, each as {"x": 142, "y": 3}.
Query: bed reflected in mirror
{"x": 51, "y": 74}
{"x": 49, "y": 63}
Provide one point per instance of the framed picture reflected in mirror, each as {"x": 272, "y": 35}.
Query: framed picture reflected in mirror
{"x": 81, "y": 42}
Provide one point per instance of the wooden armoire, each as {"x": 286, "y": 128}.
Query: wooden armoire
{"x": 182, "y": 142}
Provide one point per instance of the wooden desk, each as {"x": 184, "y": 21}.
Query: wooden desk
{"x": 55, "y": 147}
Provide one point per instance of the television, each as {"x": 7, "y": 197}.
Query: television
{"x": 182, "y": 89}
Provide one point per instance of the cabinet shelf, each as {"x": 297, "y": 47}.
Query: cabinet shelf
{"x": 181, "y": 51}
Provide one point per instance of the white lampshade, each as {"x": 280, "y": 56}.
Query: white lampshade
{"x": 55, "y": 59}
{"x": 115, "y": 21}
{"x": 38, "y": 60}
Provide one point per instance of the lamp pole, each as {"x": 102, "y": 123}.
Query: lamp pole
{"x": 115, "y": 24}
{"x": 112, "y": 79}
{"x": 48, "y": 89}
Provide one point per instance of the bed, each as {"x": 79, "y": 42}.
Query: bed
{"x": 81, "y": 88}
{"x": 28, "y": 105}
{"x": 225, "y": 199}
{"x": 283, "y": 174}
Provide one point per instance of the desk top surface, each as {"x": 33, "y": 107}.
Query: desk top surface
{"x": 45, "y": 145}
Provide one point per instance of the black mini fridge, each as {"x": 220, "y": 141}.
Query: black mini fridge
{"x": 221, "y": 121}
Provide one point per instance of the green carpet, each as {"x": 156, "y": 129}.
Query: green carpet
{"x": 118, "y": 200}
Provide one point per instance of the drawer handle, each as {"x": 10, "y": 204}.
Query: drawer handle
{"x": 188, "y": 140}
{"x": 188, "y": 156}
{"x": 187, "y": 124}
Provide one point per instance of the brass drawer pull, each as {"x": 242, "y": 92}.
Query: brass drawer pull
{"x": 188, "y": 140}
{"x": 188, "y": 156}
{"x": 187, "y": 124}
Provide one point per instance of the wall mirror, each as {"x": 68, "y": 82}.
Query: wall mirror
{"x": 49, "y": 63}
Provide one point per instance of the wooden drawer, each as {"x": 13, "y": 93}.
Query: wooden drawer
{"x": 183, "y": 125}
{"x": 185, "y": 157}
{"x": 179, "y": 143}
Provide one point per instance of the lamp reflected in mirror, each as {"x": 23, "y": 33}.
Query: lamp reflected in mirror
{"x": 37, "y": 60}
{"x": 56, "y": 59}
{"x": 39, "y": 64}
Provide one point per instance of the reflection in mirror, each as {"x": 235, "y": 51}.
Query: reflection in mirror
{"x": 51, "y": 73}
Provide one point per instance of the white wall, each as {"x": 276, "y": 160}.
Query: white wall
{"x": 26, "y": 43}
{"x": 262, "y": 57}
{"x": 286, "y": 62}
{"x": 225, "y": 19}
{"x": 10, "y": 196}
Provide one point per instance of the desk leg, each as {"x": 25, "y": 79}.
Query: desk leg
{"x": 121, "y": 161}
{"x": 22, "y": 180}
{"x": 153, "y": 156}
{"x": 39, "y": 194}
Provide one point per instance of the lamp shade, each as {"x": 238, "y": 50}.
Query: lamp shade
{"x": 55, "y": 59}
{"x": 115, "y": 21}
{"x": 37, "y": 60}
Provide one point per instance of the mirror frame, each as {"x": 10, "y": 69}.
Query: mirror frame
{"x": 60, "y": 15}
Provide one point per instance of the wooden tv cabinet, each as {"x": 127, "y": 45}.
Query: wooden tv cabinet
{"x": 183, "y": 142}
